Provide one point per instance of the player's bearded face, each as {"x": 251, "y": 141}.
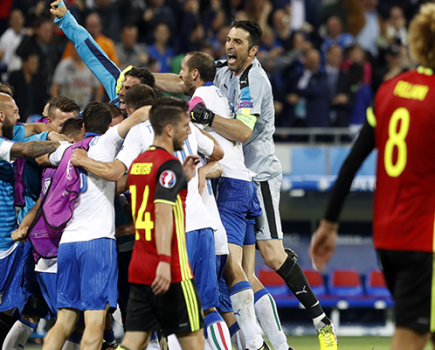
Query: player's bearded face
{"x": 237, "y": 49}
{"x": 8, "y": 129}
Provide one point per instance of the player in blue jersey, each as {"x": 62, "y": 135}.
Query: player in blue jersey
{"x": 115, "y": 82}
{"x": 13, "y": 145}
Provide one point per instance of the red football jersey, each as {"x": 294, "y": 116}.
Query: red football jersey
{"x": 404, "y": 203}
{"x": 157, "y": 176}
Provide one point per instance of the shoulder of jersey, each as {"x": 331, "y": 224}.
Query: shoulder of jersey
{"x": 221, "y": 64}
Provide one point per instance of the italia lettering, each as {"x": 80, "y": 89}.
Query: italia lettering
{"x": 141, "y": 168}
{"x": 411, "y": 91}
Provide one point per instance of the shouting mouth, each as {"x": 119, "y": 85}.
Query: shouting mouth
{"x": 232, "y": 59}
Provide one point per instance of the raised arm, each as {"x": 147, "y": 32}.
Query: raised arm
{"x": 137, "y": 117}
{"x": 94, "y": 57}
{"x": 169, "y": 83}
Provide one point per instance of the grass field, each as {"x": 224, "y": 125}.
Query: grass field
{"x": 344, "y": 343}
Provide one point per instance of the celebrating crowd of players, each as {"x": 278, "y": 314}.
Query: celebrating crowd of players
{"x": 177, "y": 253}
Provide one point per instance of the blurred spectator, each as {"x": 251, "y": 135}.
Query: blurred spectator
{"x": 335, "y": 35}
{"x": 30, "y": 89}
{"x": 156, "y": 12}
{"x": 94, "y": 27}
{"x": 396, "y": 27}
{"x": 209, "y": 16}
{"x": 129, "y": 51}
{"x": 195, "y": 40}
{"x": 339, "y": 87}
{"x": 32, "y": 10}
{"x": 355, "y": 54}
{"x": 110, "y": 14}
{"x": 368, "y": 36}
{"x": 308, "y": 93}
{"x": 9, "y": 42}
{"x": 350, "y": 12}
{"x": 363, "y": 97}
{"x": 281, "y": 26}
{"x": 397, "y": 61}
{"x": 160, "y": 51}
{"x": 73, "y": 79}
{"x": 269, "y": 49}
{"x": 4, "y": 15}
{"x": 43, "y": 44}
{"x": 218, "y": 42}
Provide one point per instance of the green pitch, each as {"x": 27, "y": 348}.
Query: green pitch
{"x": 345, "y": 343}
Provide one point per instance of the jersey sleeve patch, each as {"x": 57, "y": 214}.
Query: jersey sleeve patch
{"x": 170, "y": 181}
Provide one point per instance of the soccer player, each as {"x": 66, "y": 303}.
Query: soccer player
{"x": 235, "y": 194}
{"x": 401, "y": 126}
{"x": 244, "y": 82}
{"x": 115, "y": 82}
{"x": 12, "y": 290}
{"x": 61, "y": 108}
{"x": 87, "y": 258}
{"x": 163, "y": 293}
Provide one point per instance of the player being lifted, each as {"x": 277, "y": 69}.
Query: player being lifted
{"x": 163, "y": 294}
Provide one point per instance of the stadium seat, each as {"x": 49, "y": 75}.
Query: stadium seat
{"x": 272, "y": 281}
{"x": 345, "y": 283}
{"x": 315, "y": 280}
{"x": 375, "y": 284}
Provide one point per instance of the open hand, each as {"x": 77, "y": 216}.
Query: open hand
{"x": 323, "y": 244}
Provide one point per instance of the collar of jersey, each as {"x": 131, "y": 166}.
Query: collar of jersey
{"x": 90, "y": 134}
{"x": 208, "y": 83}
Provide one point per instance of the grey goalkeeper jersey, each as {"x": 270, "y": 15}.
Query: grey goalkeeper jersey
{"x": 251, "y": 93}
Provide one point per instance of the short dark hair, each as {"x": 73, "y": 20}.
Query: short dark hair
{"x": 65, "y": 104}
{"x": 204, "y": 63}
{"x": 139, "y": 95}
{"x": 7, "y": 89}
{"x": 254, "y": 30}
{"x": 166, "y": 110}
{"x": 114, "y": 110}
{"x": 144, "y": 74}
{"x": 72, "y": 127}
{"x": 97, "y": 117}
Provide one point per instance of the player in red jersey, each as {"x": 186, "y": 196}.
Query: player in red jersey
{"x": 402, "y": 127}
{"x": 163, "y": 295}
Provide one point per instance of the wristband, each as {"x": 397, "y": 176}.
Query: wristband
{"x": 60, "y": 4}
{"x": 165, "y": 258}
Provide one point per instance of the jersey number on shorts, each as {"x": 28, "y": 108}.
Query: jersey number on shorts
{"x": 396, "y": 139}
{"x": 143, "y": 220}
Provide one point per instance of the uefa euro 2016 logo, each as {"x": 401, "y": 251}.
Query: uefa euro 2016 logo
{"x": 168, "y": 179}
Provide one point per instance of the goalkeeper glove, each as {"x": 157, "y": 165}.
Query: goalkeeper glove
{"x": 201, "y": 114}
{"x": 121, "y": 78}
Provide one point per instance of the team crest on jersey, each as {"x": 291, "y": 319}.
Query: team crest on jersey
{"x": 168, "y": 179}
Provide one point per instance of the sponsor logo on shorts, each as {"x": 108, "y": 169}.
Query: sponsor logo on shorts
{"x": 168, "y": 179}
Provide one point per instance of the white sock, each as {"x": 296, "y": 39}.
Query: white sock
{"x": 242, "y": 300}
{"x": 267, "y": 316}
{"x": 237, "y": 337}
{"x": 154, "y": 342}
{"x": 173, "y": 343}
{"x": 218, "y": 335}
{"x": 70, "y": 346}
{"x": 18, "y": 335}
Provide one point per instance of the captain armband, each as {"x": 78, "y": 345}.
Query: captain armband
{"x": 248, "y": 119}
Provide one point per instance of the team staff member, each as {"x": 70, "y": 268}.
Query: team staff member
{"x": 402, "y": 127}
{"x": 244, "y": 82}
{"x": 163, "y": 294}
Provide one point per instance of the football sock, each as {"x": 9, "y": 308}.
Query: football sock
{"x": 268, "y": 318}
{"x": 71, "y": 346}
{"x": 6, "y": 323}
{"x": 293, "y": 275}
{"x": 217, "y": 335}
{"x": 237, "y": 338}
{"x": 109, "y": 336}
{"x": 75, "y": 337}
{"x": 154, "y": 342}
{"x": 173, "y": 343}
{"x": 19, "y": 334}
{"x": 321, "y": 321}
{"x": 242, "y": 300}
